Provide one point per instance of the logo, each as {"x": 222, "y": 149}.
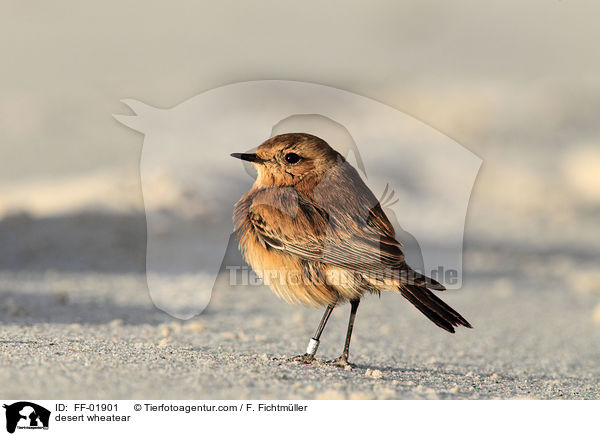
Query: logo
{"x": 422, "y": 178}
{"x": 26, "y": 415}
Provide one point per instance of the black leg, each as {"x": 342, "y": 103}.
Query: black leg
{"x": 319, "y": 330}
{"x": 314, "y": 342}
{"x": 353, "y": 310}
{"x": 343, "y": 359}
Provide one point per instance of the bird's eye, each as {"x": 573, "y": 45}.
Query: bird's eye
{"x": 292, "y": 158}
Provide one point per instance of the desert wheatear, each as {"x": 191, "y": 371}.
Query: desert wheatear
{"x": 316, "y": 234}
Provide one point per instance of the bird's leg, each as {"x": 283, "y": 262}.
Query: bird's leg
{"x": 343, "y": 359}
{"x": 313, "y": 344}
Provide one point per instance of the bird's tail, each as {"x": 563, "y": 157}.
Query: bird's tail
{"x": 432, "y": 307}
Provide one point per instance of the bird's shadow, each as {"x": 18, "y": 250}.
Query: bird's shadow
{"x": 322, "y": 364}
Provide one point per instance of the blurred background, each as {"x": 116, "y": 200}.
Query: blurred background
{"x": 514, "y": 82}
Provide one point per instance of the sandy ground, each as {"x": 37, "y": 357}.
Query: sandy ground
{"x": 97, "y": 335}
{"x": 77, "y": 320}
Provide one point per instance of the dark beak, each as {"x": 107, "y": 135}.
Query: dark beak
{"x": 250, "y": 157}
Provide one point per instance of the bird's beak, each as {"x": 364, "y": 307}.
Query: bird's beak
{"x": 250, "y": 157}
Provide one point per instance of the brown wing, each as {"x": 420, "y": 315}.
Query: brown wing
{"x": 284, "y": 221}
{"x": 287, "y": 221}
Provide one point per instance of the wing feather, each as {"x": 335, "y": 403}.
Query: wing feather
{"x": 276, "y": 214}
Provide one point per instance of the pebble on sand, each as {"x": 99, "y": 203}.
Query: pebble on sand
{"x": 373, "y": 373}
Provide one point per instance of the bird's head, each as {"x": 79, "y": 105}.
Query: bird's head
{"x": 288, "y": 159}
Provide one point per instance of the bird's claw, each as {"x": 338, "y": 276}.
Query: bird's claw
{"x": 340, "y": 362}
{"x": 303, "y": 358}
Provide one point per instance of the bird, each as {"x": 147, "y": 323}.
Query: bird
{"x": 315, "y": 233}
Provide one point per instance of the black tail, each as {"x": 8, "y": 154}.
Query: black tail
{"x": 433, "y": 308}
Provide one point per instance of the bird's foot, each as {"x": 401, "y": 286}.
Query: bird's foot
{"x": 303, "y": 358}
{"x": 341, "y": 362}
